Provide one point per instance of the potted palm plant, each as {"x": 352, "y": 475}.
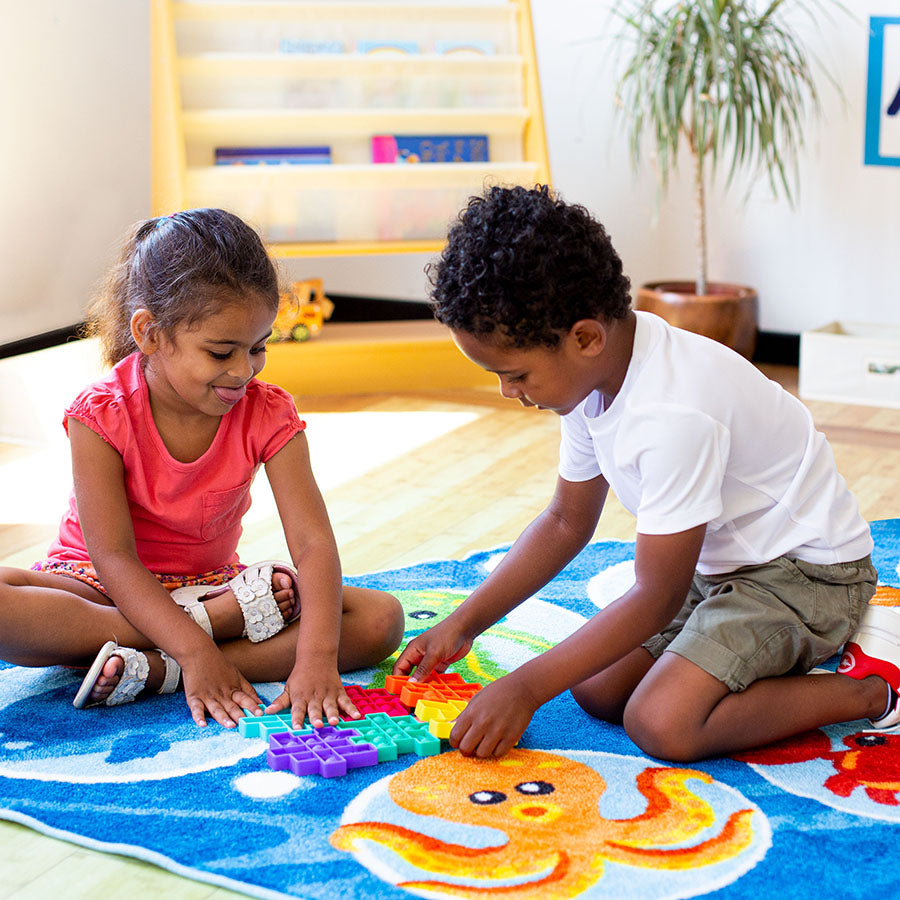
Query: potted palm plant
{"x": 727, "y": 81}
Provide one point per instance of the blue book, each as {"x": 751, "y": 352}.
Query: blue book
{"x": 272, "y": 156}
{"x": 439, "y": 148}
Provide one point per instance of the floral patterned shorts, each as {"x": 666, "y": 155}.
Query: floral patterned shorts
{"x": 84, "y": 571}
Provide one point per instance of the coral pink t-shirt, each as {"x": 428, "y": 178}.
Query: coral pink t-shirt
{"x": 186, "y": 516}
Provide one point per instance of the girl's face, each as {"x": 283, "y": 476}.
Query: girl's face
{"x": 205, "y": 367}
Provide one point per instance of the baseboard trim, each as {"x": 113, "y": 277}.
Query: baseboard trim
{"x": 42, "y": 341}
{"x": 772, "y": 347}
{"x": 349, "y": 308}
{"x": 777, "y": 348}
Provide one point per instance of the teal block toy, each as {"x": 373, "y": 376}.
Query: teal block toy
{"x": 251, "y": 726}
{"x": 394, "y": 735}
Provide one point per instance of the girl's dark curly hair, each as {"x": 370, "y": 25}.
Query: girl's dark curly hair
{"x": 523, "y": 262}
{"x": 175, "y": 266}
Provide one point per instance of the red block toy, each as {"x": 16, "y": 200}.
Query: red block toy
{"x": 374, "y": 700}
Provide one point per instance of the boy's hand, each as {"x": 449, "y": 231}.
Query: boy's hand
{"x": 214, "y": 686}
{"x": 311, "y": 691}
{"x": 432, "y": 651}
{"x": 494, "y": 720}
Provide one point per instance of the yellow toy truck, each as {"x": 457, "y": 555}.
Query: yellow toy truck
{"x": 303, "y": 310}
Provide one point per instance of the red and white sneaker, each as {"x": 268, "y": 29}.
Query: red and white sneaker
{"x": 875, "y": 650}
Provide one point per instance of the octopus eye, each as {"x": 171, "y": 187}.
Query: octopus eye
{"x": 535, "y": 787}
{"x": 870, "y": 740}
{"x": 422, "y": 614}
{"x": 487, "y": 798}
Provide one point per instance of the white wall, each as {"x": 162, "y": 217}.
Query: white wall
{"x": 80, "y": 173}
{"x": 74, "y": 152}
{"x": 834, "y": 256}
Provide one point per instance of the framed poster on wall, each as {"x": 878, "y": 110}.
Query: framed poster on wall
{"x": 882, "y": 141}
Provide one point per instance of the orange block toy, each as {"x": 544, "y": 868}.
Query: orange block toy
{"x": 442, "y": 687}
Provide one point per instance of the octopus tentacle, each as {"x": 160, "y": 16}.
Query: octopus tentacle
{"x": 433, "y": 855}
{"x": 735, "y": 836}
{"x": 561, "y": 883}
{"x": 676, "y": 812}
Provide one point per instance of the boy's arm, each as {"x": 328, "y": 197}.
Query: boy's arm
{"x": 211, "y": 683}
{"x": 664, "y": 568}
{"x": 555, "y": 537}
{"x": 314, "y": 687}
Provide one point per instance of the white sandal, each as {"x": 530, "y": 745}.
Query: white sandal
{"x": 132, "y": 680}
{"x": 253, "y": 589}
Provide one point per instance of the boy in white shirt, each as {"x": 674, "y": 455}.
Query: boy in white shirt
{"x": 752, "y": 560}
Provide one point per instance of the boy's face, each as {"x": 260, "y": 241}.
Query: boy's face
{"x": 554, "y": 378}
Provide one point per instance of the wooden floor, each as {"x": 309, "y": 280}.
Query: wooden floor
{"x": 489, "y": 469}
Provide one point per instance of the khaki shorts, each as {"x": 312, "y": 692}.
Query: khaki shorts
{"x": 780, "y": 618}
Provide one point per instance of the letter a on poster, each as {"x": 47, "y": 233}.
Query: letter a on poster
{"x": 883, "y": 93}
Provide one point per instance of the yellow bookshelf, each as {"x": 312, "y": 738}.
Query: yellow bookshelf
{"x": 224, "y": 73}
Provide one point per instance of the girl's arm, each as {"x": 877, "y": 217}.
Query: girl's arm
{"x": 314, "y": 687}
{"x": 211, "y": 683}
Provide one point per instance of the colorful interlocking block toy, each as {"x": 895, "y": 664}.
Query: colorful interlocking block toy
{"x": 440, "y": 715}
{"x": 385, "y": 731}
{"x": 367, "y": 700}
{"x": 327, "y": 751}
{"x": 334, "y": 749}
{"x": 443, "y": 687}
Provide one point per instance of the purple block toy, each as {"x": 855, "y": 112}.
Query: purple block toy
{"x": 324, "y": 751}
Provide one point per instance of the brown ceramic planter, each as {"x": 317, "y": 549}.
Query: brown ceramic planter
{"x": 727, "y": 313}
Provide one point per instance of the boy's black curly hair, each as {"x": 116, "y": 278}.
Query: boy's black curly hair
{"x": 523, "y": 262}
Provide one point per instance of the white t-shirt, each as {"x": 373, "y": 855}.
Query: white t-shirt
{"x": 697, "y": 434}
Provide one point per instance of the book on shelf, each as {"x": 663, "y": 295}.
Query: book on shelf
{"x": 272, "y": 156}
{"x": 438, "y": 148}
{"x": 468, "y": 48}
{"x": 404, "y": 47}
{"x": 301, "y": 45}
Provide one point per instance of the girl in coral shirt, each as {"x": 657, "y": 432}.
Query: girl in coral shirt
{"x": 143, "y": 583}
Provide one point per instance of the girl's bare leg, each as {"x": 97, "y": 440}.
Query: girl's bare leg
{"x": 48, "y": 620}
{"x": 371, "y": 629}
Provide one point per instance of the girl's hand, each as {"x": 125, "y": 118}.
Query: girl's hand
{"x": 494, "y": 719}
{"x": 213, "y": 686}
{"x": 432, "y": 651}
{"x": 315, "y": 691}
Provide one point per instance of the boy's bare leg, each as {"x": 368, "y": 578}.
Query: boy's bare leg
{"x": 681, "y": 713}
{"x": 605, "y": 695}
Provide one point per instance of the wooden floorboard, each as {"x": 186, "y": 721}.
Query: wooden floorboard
{"x": 472, "y": 488}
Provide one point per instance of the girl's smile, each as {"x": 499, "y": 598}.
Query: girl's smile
{"x": 204, "y": 368}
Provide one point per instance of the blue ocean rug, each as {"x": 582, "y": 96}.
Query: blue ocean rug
{"x": 575, "y": 811}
